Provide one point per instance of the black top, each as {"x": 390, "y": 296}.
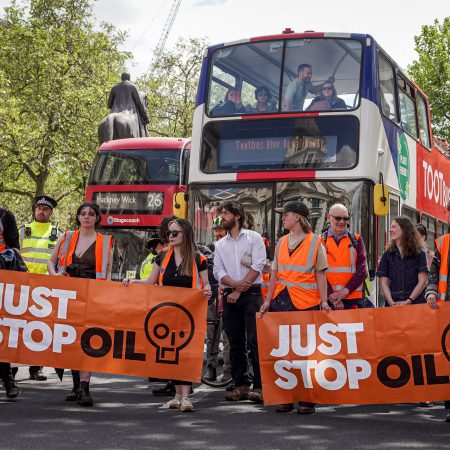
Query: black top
{"x": 171, "y": 276}
{"x": 85, "y": 263}
{"x": 10, "y": 231}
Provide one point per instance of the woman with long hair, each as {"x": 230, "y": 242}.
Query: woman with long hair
{"x": 179, "y": 266}
{"x": 83, "y": 253}
{"x": 403, "y": 267}
{"x": 327, "y": 99}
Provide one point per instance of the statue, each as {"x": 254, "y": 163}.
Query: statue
{"x": 129, "y": 117}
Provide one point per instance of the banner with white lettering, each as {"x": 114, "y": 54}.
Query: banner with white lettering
{"x": 102, "y": 326}
{"x": 360, "y": 356}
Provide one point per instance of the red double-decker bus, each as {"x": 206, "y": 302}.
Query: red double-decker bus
{"x": 136, "y": 182}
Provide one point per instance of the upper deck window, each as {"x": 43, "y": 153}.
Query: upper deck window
{"x": 281, "y": 76}
{"x": 135, "y": 167}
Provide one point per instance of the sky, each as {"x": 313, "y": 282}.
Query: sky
{"x": 393, "y": 23}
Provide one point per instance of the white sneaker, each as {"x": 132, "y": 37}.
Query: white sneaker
{"x": 186, "y": 405}
{"x": 175, "y": 403}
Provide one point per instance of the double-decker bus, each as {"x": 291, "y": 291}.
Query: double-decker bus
{"x": 302, "y": 143}
{"x": 136, "y": 182}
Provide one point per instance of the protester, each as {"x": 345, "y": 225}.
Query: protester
{"x": 238, "y": 263}
{"x": 304, "y": 286}
{"x": 9, "y": 239}
{"x": 37, "y": 241}
{"x": 423, "y": 235}
{"x": 83, "y": 253}
{"x": 438, "y": 286}
{"x": 180, "y": 266}
{"x": 347, "y": 264}
{"x": 403, "y": 266}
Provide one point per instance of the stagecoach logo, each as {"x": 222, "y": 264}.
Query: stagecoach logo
{"x": 403, "y": 166}
{"x": 110, "y": 220}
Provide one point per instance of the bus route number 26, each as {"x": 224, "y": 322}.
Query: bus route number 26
{"x": 154, "y": 200}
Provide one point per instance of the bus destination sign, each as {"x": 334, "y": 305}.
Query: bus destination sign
{"x": 129, "y": 202}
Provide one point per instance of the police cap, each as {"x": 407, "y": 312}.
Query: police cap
{"x": 45, "y": 200}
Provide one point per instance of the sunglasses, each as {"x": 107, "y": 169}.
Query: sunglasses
{"x": 339, "y": 218}
{"x": 174, "y": 233}
{"x": 327, "y": 88}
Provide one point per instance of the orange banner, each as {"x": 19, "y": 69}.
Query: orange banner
{"x": 386, "y": 355}
{"x": 102, "y": 326}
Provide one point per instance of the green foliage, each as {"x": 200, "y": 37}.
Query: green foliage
{"x": 171, "y": 86}
{"x": 432, "y": 72}
{"x": 55, "y": 74}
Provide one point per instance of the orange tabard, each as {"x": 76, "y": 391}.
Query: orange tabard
{"x": 342, "y": 265}
{"x": 297, "y": 273}
{"x": 103, "y": 245}
{"x": 443, "y": 245}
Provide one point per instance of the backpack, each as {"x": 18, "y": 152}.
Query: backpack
{"x": 10, "y": 259}
{"x": 209, "y": 255}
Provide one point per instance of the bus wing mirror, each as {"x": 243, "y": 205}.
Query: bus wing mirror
{"x": 380, "y": 200}
{"x": 180, "y": 204}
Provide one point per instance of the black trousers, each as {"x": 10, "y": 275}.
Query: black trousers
{"x": 240, "y": 326}
{"x": 5, "y": 370}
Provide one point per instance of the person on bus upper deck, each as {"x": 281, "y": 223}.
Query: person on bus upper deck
{"x": 403, "y": 267}
{"x": 298, "y": 89}
{"x": 231, "y": 105}
{"x": 263, "y": 101}
{"x": 438, "y": 283}
{"x": 347, "y": 262}
{"x": 327, "y": 99}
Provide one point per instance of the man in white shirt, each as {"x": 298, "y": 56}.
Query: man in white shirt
{"x": 239, "y": 259}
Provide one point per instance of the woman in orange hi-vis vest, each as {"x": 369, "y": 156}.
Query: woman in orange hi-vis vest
{"x": 180, "y": 266}
{"x": 83, "y": 253}
{"x": 298, "y": 281}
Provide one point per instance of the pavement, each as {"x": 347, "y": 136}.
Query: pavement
{"x": 127, "y": 416}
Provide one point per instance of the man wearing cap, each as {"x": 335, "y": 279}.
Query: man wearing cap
{"x": 298, "y": 280}
{"x": 239, "y": 260}
{"x": 347, "y": 261}
{"x": 37, "y": 241}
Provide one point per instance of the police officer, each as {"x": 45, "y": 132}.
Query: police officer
{"x": 155, "y": 246}
{"x": 37, "y": 241}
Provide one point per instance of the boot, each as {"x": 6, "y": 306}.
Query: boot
{"x": 211, "y": 374}
{"x": 85, "y": 399}
{"x": 167, "y": 391}
{"x": 12, "y": 391}
{"x": 36, "y": 374}
{"x": 75, "y": 392}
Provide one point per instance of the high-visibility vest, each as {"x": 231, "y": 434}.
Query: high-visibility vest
{"x": 297, "y": 272}
{"x": 147, "y": 266}
{"x": 37, "y": 241}
{"x": 196, "y": 282}
{"x": 443, "y": 245}
{"x": 103, "y": 245}
{"x": 342, "y": 265}
{"x": 265, "y": 284}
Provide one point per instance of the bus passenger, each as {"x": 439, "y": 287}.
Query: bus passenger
{"x": 327, "y": 99}
{"x": 285, "y": 293}
{"x": 180, "y": 266}
{"x": 231, "y": 105}
{"x": 298, "y": 89}
{"x": 83, "y": 253}
{"x": 263, "y": 103}
{"x": 403, "y": 267}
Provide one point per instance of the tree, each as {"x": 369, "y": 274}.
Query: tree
{"x": 55, "y": 74}
{"x": 171, "y": 85}
{"x": 432, "y": 72}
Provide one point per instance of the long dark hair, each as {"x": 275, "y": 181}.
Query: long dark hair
{"x": 410, "y": 237}
{"x": 187, "y": 246}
